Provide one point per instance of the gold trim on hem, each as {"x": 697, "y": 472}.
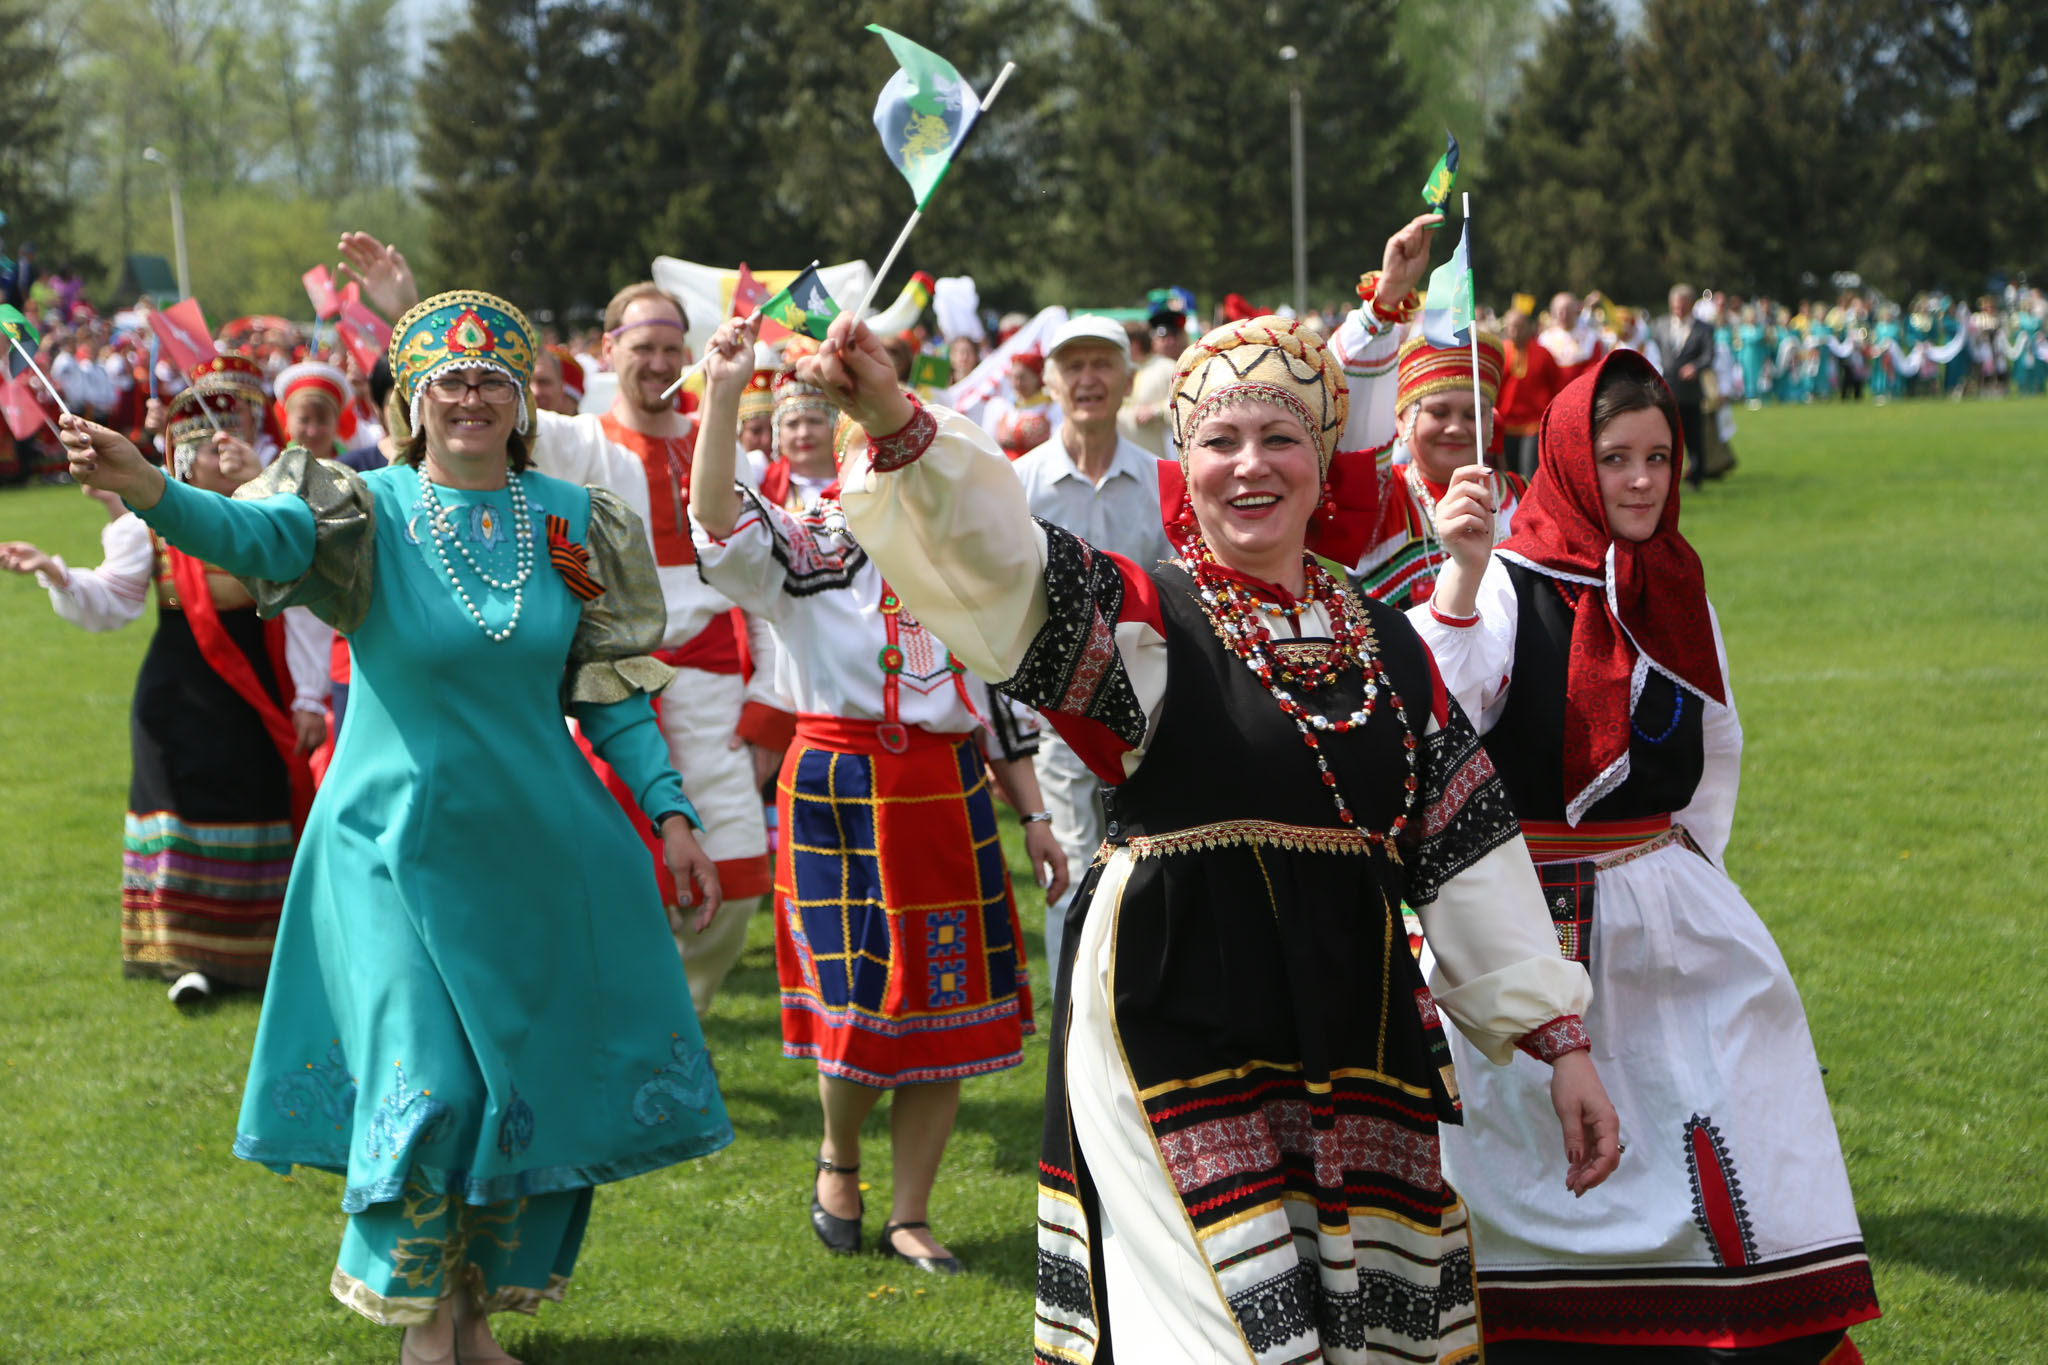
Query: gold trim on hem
{"x": 419, "y": 1310}
{"x": 1255, "y": 834}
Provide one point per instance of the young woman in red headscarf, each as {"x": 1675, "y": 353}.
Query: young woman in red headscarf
{"x": 1586, "y": 652}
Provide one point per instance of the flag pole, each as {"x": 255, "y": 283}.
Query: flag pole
{"x": 698, "y": 364}
{"x": 875, "y": 284}
{"x": 1478, "y": 407}
{"x": 62, "y": 406}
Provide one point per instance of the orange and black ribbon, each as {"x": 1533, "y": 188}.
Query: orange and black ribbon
{"x": 571, "y": 560}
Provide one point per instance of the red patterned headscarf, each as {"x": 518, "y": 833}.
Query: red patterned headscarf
{"x": 1647, "y": 607}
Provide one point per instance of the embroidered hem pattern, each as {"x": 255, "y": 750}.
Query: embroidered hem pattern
{"x": 1828, "y": 1290}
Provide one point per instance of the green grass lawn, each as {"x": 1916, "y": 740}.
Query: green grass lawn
{"x": 1881, "y": 587}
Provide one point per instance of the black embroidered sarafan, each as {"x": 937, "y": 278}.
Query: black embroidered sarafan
{"x": 1273, "y": 1020}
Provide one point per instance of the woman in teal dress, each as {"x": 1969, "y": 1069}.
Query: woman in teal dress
{"x": 1749, "y": 343}
{"x": 475, "y": 1012}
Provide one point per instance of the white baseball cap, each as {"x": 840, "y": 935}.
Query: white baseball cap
{"x": 1090, "y": 327}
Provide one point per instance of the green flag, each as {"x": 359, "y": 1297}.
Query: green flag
{"x": 924, "y": 114}
{"x": 1447, "y": 308}
{"x": 1442, "y": 177}
{"x": 17, "y": 326}
{"x": 804, "y": 305}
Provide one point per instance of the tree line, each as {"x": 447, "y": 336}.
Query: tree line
{"x": 551, "y": 148}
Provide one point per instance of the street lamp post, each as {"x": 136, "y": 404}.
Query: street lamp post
{"x": 1289, "y": 56}
{"x": 151, "y": 154}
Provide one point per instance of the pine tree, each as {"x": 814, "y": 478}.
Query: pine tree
{"x": 28, "y": 131}
{"x": 1559, "y": 170}
{"x": 1175, "y": 159}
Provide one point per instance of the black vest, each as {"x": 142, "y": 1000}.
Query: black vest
{"x": 1665, "y": 752}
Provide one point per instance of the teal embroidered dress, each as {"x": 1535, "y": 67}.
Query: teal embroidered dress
{"x": 475, "y": 1012}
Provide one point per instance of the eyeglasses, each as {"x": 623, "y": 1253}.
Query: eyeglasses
{"x": 495, "y": 389}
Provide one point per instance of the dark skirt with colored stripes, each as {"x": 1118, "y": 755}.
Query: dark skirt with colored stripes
{"x": 897, "y": 944}
{"x": 208, "y": 845}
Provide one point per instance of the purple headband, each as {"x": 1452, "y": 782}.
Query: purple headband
{"x": 623, "y": 327}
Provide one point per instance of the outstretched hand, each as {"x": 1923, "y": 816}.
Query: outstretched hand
{"x": 18, "y": 556}
{"x": 104, "y": 458}
{"x": 1407, "y": 256}
{"x": 857, "y": 375}
{"x": 1592, "y": 1132}
{"x": 383, "y": 270}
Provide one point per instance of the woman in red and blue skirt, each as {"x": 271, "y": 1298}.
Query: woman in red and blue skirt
{"x": 897, "y": 944}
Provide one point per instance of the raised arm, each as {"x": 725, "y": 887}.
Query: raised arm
{"x": 936, "y": 505}
{"x": 268, "y": 539}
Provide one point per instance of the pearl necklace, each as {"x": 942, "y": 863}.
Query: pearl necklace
{"x": 522, "y": 533}
{"x": 1235, "y": 614}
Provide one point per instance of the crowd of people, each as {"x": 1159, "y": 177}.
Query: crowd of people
{"x": 1367, "y": 721}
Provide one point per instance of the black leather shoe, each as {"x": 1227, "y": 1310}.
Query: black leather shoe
{"x": 938, "y": 1265}
{"x": 840, "y": 1235}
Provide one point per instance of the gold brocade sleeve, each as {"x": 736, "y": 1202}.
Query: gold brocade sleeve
{"x": 336, "y": 587}
{"x": 623, "y": 625}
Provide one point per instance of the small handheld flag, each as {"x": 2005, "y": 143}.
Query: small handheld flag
{"x": 21, "y": 335}
{"x": 183, "y": 331}
{"x": 320, "y": 289}
{"x": 1442, "y": 177}
{"x": 804, "y": 305}
{"x": 924, "y": 113}
{"x": 1447, "y": 308}
{"x": 24, "y": 414}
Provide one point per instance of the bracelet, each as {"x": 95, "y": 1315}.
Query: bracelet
{"x": 1037, "y": 817}
{"x": 1461, "y": 622}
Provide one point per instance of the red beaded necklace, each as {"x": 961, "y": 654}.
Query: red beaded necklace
{"x": 1236, "y": 615}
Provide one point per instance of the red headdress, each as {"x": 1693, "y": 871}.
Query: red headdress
{"x": 1643, "y": 604}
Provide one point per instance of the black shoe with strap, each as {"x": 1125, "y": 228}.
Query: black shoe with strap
{"x": 840, "y": 1235}
{"x": 938, "y": 1265}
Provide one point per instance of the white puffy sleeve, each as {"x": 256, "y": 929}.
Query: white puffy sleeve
{"x": 1476, "y": 658}
{"x": 307, "y": 644}
{"x": 110, "y": 596}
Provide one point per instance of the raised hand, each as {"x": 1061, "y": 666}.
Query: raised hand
{"x": 1407, "y": 256}
{"x": 1464, "y": 518}
{"x": 856, "y": 374}
{"x": 238, "y": 462}
{"x": 385, "y": 275}
{"x": 729, "y": 357}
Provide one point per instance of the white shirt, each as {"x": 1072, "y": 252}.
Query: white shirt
{"x": 1120, "y": 514}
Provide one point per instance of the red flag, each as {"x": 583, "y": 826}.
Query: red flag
{"x": 749, "y": 294}
{"x": 364, "y": 333}
{"x": 182, "y": 330}
{"x": 18, "y": 401}
{"x": 320, "y": 289}
{"x": 351, "y": 292}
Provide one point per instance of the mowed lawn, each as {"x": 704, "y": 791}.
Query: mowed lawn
{"x": 1881, "y": 582}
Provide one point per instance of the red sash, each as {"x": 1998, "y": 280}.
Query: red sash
{"x": 227, "y": 659}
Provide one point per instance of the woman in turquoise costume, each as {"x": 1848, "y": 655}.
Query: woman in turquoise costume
{"x": 1750, "y": 351}
{"x": 475, "y": 1010}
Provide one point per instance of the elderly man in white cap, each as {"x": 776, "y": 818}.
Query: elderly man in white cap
{"x": 1092, "y": 481}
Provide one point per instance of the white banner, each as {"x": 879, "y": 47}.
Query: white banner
{"x": 705, "y": 291}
